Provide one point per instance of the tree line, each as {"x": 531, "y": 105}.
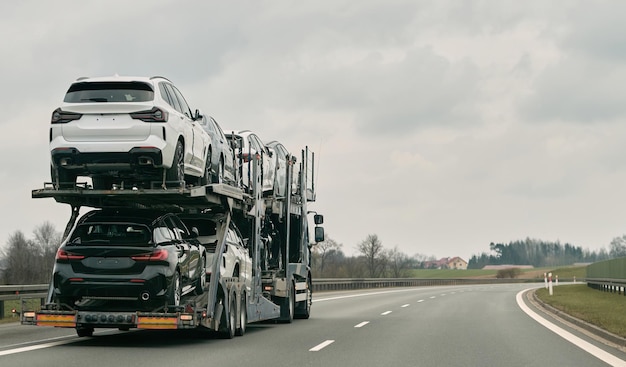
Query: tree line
{"x": 540, "y": 253}
{"x": 29, "y": 260}
{"x": 372, "y": 261}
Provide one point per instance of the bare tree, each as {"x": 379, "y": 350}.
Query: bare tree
{"x": 372, "y": 250}
{"x": 30, "y": 261}
{"x": 399, "y": 263}
{"x": 617, "y": 248}
{"x": 323, "y": 251}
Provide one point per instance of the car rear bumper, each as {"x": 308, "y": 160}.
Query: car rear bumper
{"x": 136, "y": 158}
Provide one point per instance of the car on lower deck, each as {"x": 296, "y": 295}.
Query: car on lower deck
{"x": 132, "y": 130}
{"x": 138, "y": 259}
{"x": 236, "y": 260}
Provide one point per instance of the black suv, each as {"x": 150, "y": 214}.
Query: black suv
{"x": 138, "y": 258}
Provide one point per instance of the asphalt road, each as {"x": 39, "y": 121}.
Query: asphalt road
{"x": 429, "y": 326}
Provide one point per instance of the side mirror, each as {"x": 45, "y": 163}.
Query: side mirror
{"x": 198, "y": 115}
{"x": 318, "y": 219}
{"x": 319, "y": 234}
{"x": 194, "y": 232}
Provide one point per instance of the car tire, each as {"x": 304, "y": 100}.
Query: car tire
{"x": 208, "y": 167}
{"x": 218, "y": 177}
{"x": 102, "y": 183}
{"x": 176, "y": 173}
{"x": 174, "y": 292}
{"x": 201, "y": 281}
{"x": 66, "y": 179}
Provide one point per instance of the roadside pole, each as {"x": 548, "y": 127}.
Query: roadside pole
{"x": 550, "y": 283}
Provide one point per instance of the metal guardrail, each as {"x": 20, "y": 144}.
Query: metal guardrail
{"x": 17, "y": 292}
{"x": 608, "y": 285}
{"x": 608, "y": 275}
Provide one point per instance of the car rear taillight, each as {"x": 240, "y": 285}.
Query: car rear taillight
{"x": 156, "y": 255}
{"x": 154, "y": 115}
{"x": 65, "y": 255}
{"x": 61, "y": 117}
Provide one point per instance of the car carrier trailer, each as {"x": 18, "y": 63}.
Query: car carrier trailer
{"x": 278, "y": 289}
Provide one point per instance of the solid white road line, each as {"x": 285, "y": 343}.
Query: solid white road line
{"x": 580, "y": 343}
{"x": 361, "y": 324}
{"x": 35, "y": 347}
{"x": 321, "y": 346}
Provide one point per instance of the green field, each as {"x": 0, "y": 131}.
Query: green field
{"x": 594, "y": 306}
{"x": 565, "y": 273}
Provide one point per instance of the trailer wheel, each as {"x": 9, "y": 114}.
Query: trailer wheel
{"x": 84, "y": 331}
{"x": 228, "y": 323}
{"x": 243, "y": 316}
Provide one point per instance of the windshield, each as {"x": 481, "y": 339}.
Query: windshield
{"x": 111, "y": 233}
{"x": 109, "y": 92}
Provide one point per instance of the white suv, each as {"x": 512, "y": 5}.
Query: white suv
{"x": 132, "y": 130}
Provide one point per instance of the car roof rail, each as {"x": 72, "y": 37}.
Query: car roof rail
{"x": 160, "y": 77}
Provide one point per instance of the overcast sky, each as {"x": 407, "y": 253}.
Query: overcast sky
{"x": 440, "y": 126}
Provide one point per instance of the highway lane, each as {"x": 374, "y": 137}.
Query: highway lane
{"x": 429, "y": 326}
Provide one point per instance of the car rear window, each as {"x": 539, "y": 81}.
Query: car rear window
{"x": 89, "y": 92}
{"x": 111, "y": 234}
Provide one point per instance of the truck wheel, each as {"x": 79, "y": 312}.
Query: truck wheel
{"x": 304, "y": 308}
{"x": 243, "y": 317}
{"x": 174, "y": 292}
{"x": 84, "y": 331}
{"x": 288, "y": 306}
{"x": 228, "y": 322}
{"x": 177, "y": 171}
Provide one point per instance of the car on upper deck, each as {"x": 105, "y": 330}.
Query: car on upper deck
{"x": 132, "y": 130}
{"x": 280, "y": 157}
{"x": 222, "y": 162}
{"x": 247, "y": 146}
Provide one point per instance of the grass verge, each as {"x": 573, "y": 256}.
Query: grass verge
{"x": 599, "y": 308}
{"x": 31, "y": 304}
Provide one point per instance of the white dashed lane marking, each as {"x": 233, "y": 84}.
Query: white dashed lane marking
{"x": 321, "y": 346}
{"x": 361, "y": 324}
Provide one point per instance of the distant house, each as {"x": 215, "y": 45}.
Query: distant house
{"x": 457, "y": 263}
{"x": 446, "y": 263}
